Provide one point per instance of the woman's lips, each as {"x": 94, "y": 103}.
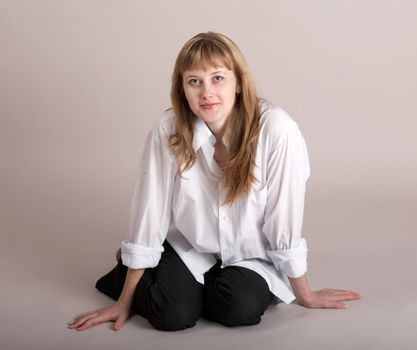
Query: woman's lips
{"x": 208, "y": 105}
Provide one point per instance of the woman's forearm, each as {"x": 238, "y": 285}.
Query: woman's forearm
{"x": 132, "y": 278}
{"x": 301, "y": 289}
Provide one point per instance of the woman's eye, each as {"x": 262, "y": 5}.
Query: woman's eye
{"x": 218, "y": 78}
{"x": 193, "y": 81}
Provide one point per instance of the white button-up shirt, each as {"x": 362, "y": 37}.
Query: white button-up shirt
{"x": 260, "y": 231}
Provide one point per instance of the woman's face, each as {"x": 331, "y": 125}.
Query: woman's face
{"x": 211, "y": 95}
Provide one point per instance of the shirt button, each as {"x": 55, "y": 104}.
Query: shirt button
{"x": 224, "y": 217}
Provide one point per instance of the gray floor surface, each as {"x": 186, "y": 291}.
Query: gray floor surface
{"x": 54, "y": 246}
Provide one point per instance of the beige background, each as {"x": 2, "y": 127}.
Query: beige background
{"x": 82, "y": 81}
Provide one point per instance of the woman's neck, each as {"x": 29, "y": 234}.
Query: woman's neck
{"x": 217, "y": 130}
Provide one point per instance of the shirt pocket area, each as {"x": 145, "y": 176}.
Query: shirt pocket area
{"x": 258, "y": 195}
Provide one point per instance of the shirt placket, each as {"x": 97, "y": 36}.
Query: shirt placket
{"x": 224, "y": 219}
{"x": 225, "y": 228}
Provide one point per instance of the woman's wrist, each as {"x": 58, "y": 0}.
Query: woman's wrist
{"x": 124, "y": 303}
{"x": 304, "y": 299}
{"x": 301, "y": 289}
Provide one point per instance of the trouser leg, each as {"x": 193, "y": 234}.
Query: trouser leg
{"x": 235, "y": 295}
{"x": 168, "y": 296}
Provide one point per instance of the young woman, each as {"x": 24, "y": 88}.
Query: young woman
{"x": 217, "y": 208}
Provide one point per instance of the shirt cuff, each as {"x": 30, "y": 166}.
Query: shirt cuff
{"x": 136, "y": 256}
{"x": 291, "y": 262}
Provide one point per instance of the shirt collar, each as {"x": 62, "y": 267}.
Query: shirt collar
{"x": 202, "y": 134}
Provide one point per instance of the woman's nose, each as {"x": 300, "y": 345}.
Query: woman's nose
{"x": 206, "y": 91}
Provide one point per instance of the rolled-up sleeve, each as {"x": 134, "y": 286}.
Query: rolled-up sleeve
{"x": 288, "y": 171}
{"x": 137, "y": 256}
{"x": 150, "y": 212}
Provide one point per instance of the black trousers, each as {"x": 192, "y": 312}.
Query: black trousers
{"x": 170, "y": 298}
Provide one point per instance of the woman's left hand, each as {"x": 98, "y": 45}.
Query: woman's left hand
{"x": 328, "y": 299}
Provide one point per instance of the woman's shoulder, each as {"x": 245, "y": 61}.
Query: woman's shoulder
{"x": 274, "y": 120}
{"x": 164, "y": 124}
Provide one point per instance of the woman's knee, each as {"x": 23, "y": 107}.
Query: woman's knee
{"x": 237, "y": 310}
{"x": 236, "y": 297}
{"x": 168, "y": 308}
{"x": 175, "y": 316}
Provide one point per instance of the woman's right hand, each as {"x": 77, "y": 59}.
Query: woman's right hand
{"x": 118, "y": 312}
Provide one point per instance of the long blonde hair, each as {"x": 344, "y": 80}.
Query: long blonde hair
{"x": 211, "y": 50}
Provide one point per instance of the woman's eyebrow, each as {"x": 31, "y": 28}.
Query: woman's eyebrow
{"x": 193, "y": 75}
{"x": 219, "y": 71}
